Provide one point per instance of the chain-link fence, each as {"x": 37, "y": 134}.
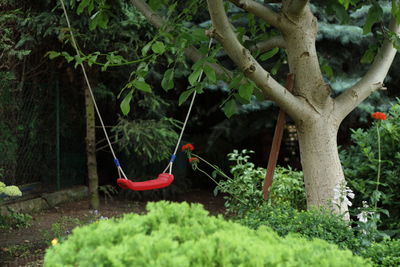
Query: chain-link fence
{"x": 42, "y": 131}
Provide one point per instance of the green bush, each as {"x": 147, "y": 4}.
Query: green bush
{"x": 310, "y": 224}
{"x": 183, "y": 235}
{"x": 244, "y": 190}
{"x": 360, "y": 164}
{"x": 12, "y": 219}
{"x": 11, "y": 190}
{"x": 288, "y": 188}
{"x": 15, "y": 220}
{"x": 386, "y": 253}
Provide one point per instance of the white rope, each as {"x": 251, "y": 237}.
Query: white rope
{"x": 74, "y": 44}
{"x": 119, "y": 168}
{"x": 186, "y": 120}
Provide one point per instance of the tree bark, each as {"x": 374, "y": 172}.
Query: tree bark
{"x": 93, "y": 180}
{"x": 320, "y": 161}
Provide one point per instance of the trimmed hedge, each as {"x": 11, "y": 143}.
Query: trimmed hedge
{"x": 173, "y": 234}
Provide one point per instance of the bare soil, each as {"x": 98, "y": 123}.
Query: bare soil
{"x": 26, "y": 247}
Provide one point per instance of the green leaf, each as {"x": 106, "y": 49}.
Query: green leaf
{"x": 98, "y": 19}
{"x": 184, "y": 96}
{"x": 67, "y": 56}
{"x": 82, "y": 6}
{"x": 269, "y": 54}
{"x": 126, "y": 103}
{"x": 78, "y": 60}
{"x": 53, "y": 54}
{"x": 345, "y": 3}
{"x": 241, "y": 100}
{"x": 210, "y": 73}
{"x": 230, "y": 108}
{"x": 259, "y": 95}
{"x": 215, "y": 191}
{"x": 327, "y": 70}
{"x": 158, "y": 47}
{"x": 375, "y": 14}
{"x": 142, "y": 86}
{"x": 194, "y": 76}
{"x": 396, "y": 10}
{"x": 369, "y": 55}
{"x": 246, "y": 91}
{"x": 235, "y": 81}
{"x": 167, "y": 82}
{"x": 146, "y": 48}
{"x": 341, "y": 13}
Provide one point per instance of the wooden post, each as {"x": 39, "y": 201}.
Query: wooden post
{"x": 276, "y": 142}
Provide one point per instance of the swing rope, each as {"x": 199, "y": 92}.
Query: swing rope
{"x": 186, "y": 119}
{"x": 74, "y": 44}
{"x": 121, "y": 173}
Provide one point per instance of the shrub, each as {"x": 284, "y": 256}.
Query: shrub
{"x": 360, "y": 163}
{"x": 386, "y": 253}
{"x": 183, "y": 235}
{"x": 11, "y": 190}
{"x": 288, "y": 188}
{"x": 14, "y": 220}
{"x": 310, "y": 224}
{"x": 244, "y": 190}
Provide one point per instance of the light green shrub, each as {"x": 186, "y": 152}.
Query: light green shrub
{"x": 183, "y": 235}
{"x": 11, "y": 190}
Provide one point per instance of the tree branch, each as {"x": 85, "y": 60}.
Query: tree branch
{"x": 372, "y": 80}
{"x": 243, "y": 59}
{"x": 296, "y": 7}
{"x": 261, "y": 11}
{"x": 276, "y": 41}
{"x": 191, "y": 52}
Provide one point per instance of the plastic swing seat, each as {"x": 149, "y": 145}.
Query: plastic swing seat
{"x": 163, "y": 180}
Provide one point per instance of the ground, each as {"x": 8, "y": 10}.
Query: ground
{"x": 26, "y": 247}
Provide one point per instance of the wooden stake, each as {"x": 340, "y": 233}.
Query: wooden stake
{"x": 276, "y": 142}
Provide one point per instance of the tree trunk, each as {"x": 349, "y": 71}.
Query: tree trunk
{"x": 93, "y": 180}
{"x": 321, "y": 164}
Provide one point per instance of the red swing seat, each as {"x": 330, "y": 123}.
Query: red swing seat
{"x": 163, "y": 180}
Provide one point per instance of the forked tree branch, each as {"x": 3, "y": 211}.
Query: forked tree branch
{"x": 191, "y": 52}
{"x": 261, "y": 11}
{"x": 372, "y": 80}
{"x": 276, "y": 41}
{"x": 243, "y": 59}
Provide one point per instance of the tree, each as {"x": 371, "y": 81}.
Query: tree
{"x": 292, "y": 26}
{"x": 317, "y": 115}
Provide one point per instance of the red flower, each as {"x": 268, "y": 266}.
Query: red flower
{"x": 188, "y": 147}
{"x": 379, "y": 116}
{"x": 193, "y": 160}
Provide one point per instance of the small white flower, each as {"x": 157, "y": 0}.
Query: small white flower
{"x": 362, "y": 217}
